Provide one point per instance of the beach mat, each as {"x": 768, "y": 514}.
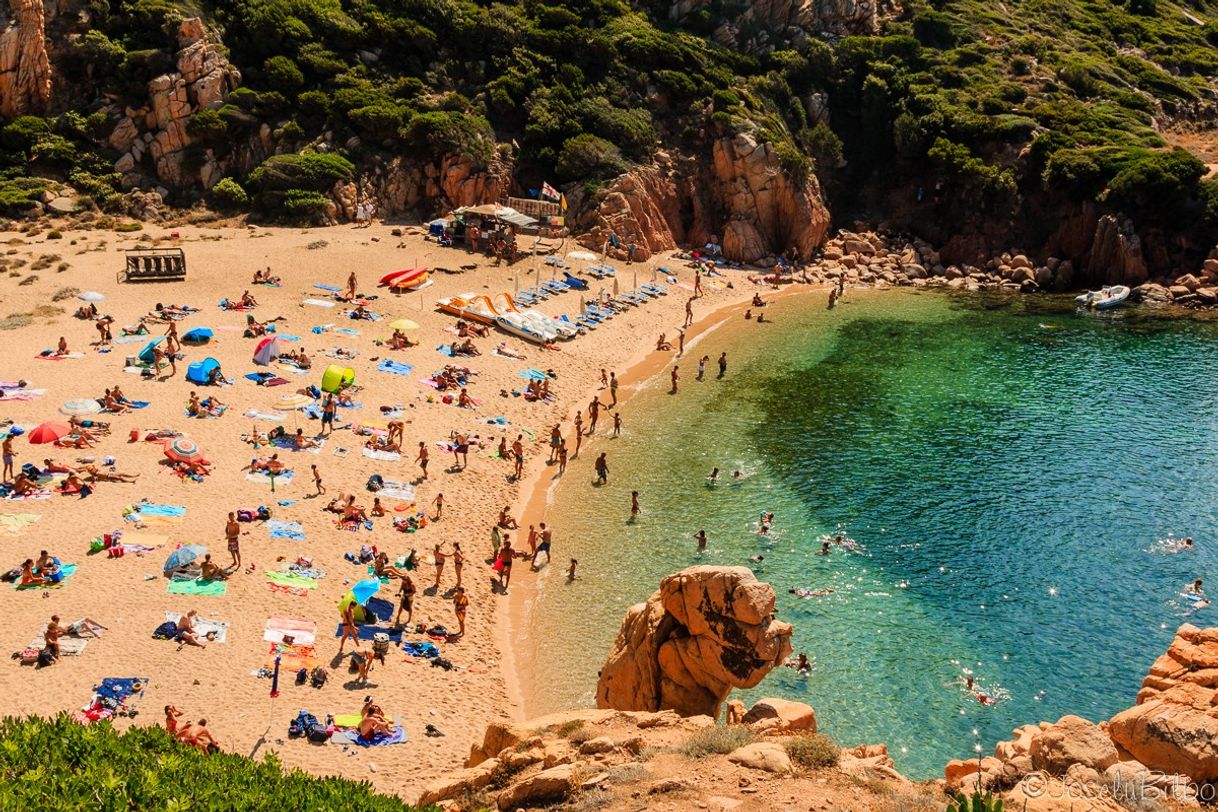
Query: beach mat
{"x": 68, "y": 571}
{"x": 280, "y": 529}
{"x": 394, "y": 367}
{"x": 397, "y": 736}
{"x": 302, "y": 630}
{"x": 366, "y": 632}
{"x": 384, "y": 456}
{"x": 288, "y": 579}
{"x": 292, "y": 658}
{"x": 197, "y": 587}
{"x": 280, "y": 479}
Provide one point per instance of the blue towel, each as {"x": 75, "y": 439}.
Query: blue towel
{"x": 347, "y": 331}
{"x": 444, "y": 349}
{"x": 119, "y": 688}
{"x": 330, "y": 288}
{"x": 423, "y": 649}
{"x": 380, "y": 608}
{"x": 398, "y": 736}
{"x": 160, "y": 510}
{"x": 259, "y": 377}
{"x": 533, "y": 374}
{"x": 286, "y": 530}
{"x": 285, "y": 337}
{"x": 394, "y": 367}
{"x": 138, "y": 404}
{"x": 366, "y": 632}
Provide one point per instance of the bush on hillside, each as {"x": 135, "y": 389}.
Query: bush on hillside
{"x": 814, "y": 751}
{"x": 228, "y": 194}
{"x": 446, "y": 132}
{"x": 59, "y": 764}
{"x": 716, "y": 740}
{"x": 589, "y": 157}
{"x": 313, "y": 171}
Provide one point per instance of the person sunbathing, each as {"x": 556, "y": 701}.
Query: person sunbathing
{"x": 73, "y": 484}
{"x": 272, "y": 465}
{"x": 88, "y": 311}
{"x": 95, "y": 474}
{"x": 213, "y": 405}
{"x": 254, "y": 329}
{"x": 248, "y": 300}
{"x": 662, "y": 344}
{"x": 301, "y": 442}
{"x": 344, "y": 398}
{"x": 383, "y": 569}
{"x": 193, "y": 407}
{"x": 187, "y": 633}
{"x": 377, "y": 508}
{"x": 53, "y": 467}
{"x": 140, "y": 329}
{"x": 85, "y": 627}
{"x": 353, "y": 512}
{"x": 212, "y": 571}
{"x": 303, "y": 361}
{"x": 197, "y": 735}
{"x": 337, "y": 503}
{"x": 506, "y": 521}
{"x": 398, "y": 341}
{"x": 468, "y": 348}
{"x": 111, "y": 404}
{"x": 23, "y": 485}
{"x": 502, "y": 349}
{"x": 29, "y": 577}
{"x": 373, "y": 720}
{"x": 464, "y": 400}
{"x": 194, "y": 469}
{"x": 82, "y": 425}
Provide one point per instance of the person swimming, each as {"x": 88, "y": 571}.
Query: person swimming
{"x": 978, "y": 693}
{"x": 713, "y": 476}
{"x": 824, "y": 548}
{"x": 805, "y": 593}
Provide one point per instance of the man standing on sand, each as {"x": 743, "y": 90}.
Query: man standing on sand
{"x": 405, "y": 601}
{"x": 9, "y": 456}
{"x": 594, "y": 412}
{"x": 232, "y": 531}
{"x": 328, "y": 409}
{"x": 439, "y": 503}
{"x": 352, "y": 284}
{"x": 602, "y": 469}
{"x": 722, "y": 364}
{"x": 460, "y": 605}
{"x": 697, "y": 283}
{"x": 317, "y": 481}
{"x": 349, "y": 627}
{"x": 676, "y": 375}
{"x": 613, "y": 388}
{"x": 689, "y": 312}
{"x": 634, "y": 506}
{"x": 544, "y": 546}
{"x": 518, "y": 456}
{"x": 680, "y": 342}
{"x": 422, "y": 459}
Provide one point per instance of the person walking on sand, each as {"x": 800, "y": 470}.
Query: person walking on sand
{"x": 579, "y": 440}
{"x": 422, "y": 459}
{"x": 460, "y": 605}
{"x": 562, "y": 458}
{"x": 532, "y": 542}
{"x": 405, "y": 601}
{"x": 504, "y": 565}
{"x": 617, "y": 424}
{"x": 317, "y": 481}
{"x": 328, "y": 410}
{"x": 604, "y": 380}
{"x": 722, "y": 364}
{"x": 439, "y": 556}
{"x": 613, "y": 388}
{"x": 689, "y": 312}
{"x": 352, "y": 283}
{"x": 543, "y": 546}
{"x": 697, "y": 283}
{"x": 702, "y": 367}
{"x": 439, "y": 503}
{"x": 602, "y": 469}
{"x": 460, "y": 447}
{"x": 518, "y": 456}
{"x": 680, "y": 342}
{"x": 9, "y": 456}
{"x": 349, "y": 627}
{"x": 676, "y": 375}
{"x": 571, "y": 570}
{"x": 556, "y": 438}
{"x": 172, "y": 344}
{"x": 594, "y": 413}
{"x": 635, "y": 510}
{"x": 232, "y": 533}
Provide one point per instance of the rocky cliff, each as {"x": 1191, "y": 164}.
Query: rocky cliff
{"x": 743, "y": 196}
{"x": 760, "y": 26}
{"x": 25, "y": 69}
{"x": 705, "y": 631}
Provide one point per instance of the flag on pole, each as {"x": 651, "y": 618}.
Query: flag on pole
{"x": 562, "y": 201}
{"x": 548, "y": 192}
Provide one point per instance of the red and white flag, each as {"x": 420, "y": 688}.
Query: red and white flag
{"x": 548, "y": 192}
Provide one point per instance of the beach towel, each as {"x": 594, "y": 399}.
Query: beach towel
{"x": 292, "y": 658}
{"x": 197, "y": 587}
{"x": 396, "y": 736}
{"x": 257, "y": 415}
{"x": 319, "y": 303}
{"x": 380, "y": 608}
{"x": 54, "y": 357}
{"x": 161, "y": 510}
{"x": 330, "y": 288}
{"x": 119, "y": 688}
{"x": 347, "y": 720}
{"x": 302, "y": 631}
{"x": 136, "y": 542}
{"x": 286, "y": 337}
{"x": 281, "y": 529}
{"x": 387, "y": 456}
{"x": 288, "y": 443}
{"x": 13, "y": 523}
{"x": 288, "y": 579}
{"x": 21, "y": 394}
{"x": 203, "y": 626}
{"x": 404, "y": 494}
{"x": 347, "y": 331}
{"x": 394, "y": 367}
{"x": 445, "y": 350}
{"x": 41, "y": 493}
{"x": 280, "y": 479}
{"x": 66, "y": 570}
{"x": 130, "y": 339}
{"x": 367, "y": 632}
{"x": 533, "y": 375}
{"x": 68, "y": 646}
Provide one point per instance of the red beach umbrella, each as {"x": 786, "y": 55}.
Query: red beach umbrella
{"x": 183, "y": 449}
{"x": 49, "y": 432}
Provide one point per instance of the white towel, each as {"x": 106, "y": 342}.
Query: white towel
{"x": 203, "y": 626}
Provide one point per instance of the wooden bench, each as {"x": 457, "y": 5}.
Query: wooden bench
{"x": 154, "y": 265}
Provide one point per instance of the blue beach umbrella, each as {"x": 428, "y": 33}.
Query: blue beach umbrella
{"x": 199, "y": 335}
{"x": 365, "y": 590}
{"x": 183, "y": 556}
{"x": 146, "y": 354}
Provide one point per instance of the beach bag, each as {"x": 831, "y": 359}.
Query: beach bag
{"x": 375, "y": 483}
{"x": 319, "y": 677}
{"x": 11, "y": 576}
{"x": 301, "y": 725}
{"x": 45, "y": 657}
{"x": 264, "y": 513}
{"x": 366, "y": 554}
{"x": 302, "y": 676}
{"x": 245, "y": 515}
{"x": 166, "y": 631}
{"x": 318, "y": 734}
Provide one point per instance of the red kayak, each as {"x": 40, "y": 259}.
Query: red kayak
{"x": 399, "y": 277}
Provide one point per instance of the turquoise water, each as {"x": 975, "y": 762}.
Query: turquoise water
{"x": 1003, "y": 466}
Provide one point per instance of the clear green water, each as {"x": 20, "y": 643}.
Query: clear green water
{"x": 1004, "y": 465}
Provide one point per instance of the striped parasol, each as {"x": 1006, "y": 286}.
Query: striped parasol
{"x": 290, "y": 403}
{"x": 183, "y": 449}
{"x": 81, "y": 406}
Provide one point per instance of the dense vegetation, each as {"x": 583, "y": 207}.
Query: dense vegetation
{"x": 59, "y": 764}
{"x": 995, "y": 103}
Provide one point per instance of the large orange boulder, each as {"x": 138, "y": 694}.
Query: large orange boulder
{"x": 1073, "y": 740}
{"x": 706, "y": 631}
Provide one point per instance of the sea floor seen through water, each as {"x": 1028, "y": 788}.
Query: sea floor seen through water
{"x": 1010, "y": 480}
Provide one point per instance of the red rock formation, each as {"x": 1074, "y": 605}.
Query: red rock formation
{"x": 25, "y": 69}
{"x": 743, "y": 195}
{"x": 705, "y": 631}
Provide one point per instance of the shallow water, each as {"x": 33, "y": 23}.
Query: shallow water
{"x": 1003, "y": 466}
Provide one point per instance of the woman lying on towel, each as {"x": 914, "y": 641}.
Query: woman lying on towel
{"x": 53, "y": 467}
{"x": 94, "y": 426}
{"x": 465, "y": 330}
{"x": 372, "y": 720}
{"x": 95, "y": 474}
{"x": 269, "y": 466}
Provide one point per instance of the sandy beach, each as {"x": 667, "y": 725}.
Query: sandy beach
{"x": 128, "y": 594}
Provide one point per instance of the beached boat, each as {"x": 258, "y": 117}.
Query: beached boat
{"x": 1104, "y": 298}
{"x": 469, "y": 306}
{"x": 519, "y": 325}
{"x": 411, "y": 280}
{"x": 393, "y": 276}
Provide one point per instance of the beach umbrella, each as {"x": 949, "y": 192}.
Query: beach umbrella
{"x": 183, "y": 449}
{"x": 198, "y": 335}
{"x": 289, "y": 403}
{"x": 403, "y": 324}
{"x": 49, "y": 432}
{"x": 581, "y": 256}
{"x": 91, "y": 296}
{"x": 183, "y": 556}
{"x": 146, "y": 354}
{"x": 82, "y": 406}
{"x": 336, "y": 377}
{"x": 266, "y": 351}
{"x": 365, "y": 590}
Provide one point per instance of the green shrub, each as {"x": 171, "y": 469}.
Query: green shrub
{"x": 446, "y": 132}
{"x": 314, "y": 103}
{"x": 717, "y": 740}
{"x": 20, "y": 194}
{"x": 229, "y": 194}
{"x": 314, "y": 171}
{"x": 299, "y": 204}
{"x": 207, "y": 124}
{"x": 79, "y": 767}
{"x": 283, "y": 74}
{"x": 978, "y": 803}
{"x": 381, "y": 119}
{"x": 128, "y": 228}
{"x": 53, "y": 149}
{"x": 815, "y": 751}
{"x": 586, "y": 157}
{"x": 23, "y": 132}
